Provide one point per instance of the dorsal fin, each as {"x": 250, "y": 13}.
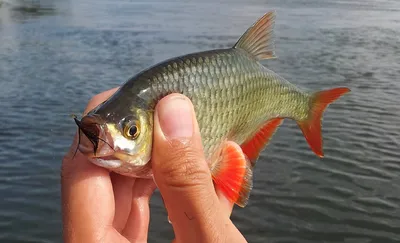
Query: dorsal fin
{"x": 258, "y": 40}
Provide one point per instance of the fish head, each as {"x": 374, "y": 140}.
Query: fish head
{"x": 119, "y": 139}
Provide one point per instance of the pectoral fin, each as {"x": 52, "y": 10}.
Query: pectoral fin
{"x": 232, "y": 174}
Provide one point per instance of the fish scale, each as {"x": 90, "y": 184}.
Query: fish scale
{"x": 241, "y": 81}
{"x": 238, "y": 103}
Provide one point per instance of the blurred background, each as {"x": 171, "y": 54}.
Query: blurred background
{"x": 56, "y": 54}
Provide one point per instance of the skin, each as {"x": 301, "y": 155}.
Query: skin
{"x": 99, "y": 206}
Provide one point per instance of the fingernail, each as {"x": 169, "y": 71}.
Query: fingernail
{"x": 175, "y": 117}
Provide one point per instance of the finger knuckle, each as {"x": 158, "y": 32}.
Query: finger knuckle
{"x": 184, "y": 167}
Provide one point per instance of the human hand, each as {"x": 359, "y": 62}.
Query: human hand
{"x": 99, "y": 206}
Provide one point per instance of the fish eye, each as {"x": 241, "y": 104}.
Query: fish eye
{"x": 132, "y": 130}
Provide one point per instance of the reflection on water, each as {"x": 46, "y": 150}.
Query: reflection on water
{"x": 55, "y": 55}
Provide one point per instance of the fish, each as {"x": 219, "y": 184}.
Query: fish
{"x": 239, "y": 104}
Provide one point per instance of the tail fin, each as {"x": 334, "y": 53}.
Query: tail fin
{"x": 258, "y": 40}
{"x": 311, "y": 127}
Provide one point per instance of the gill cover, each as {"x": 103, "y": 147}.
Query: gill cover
{"x": 132, "y": 137}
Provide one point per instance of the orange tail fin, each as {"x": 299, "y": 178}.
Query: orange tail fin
{"x": 311, "y": 127}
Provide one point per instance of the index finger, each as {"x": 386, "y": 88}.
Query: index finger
{"x": 99, "y": 98}
{"x": 87, "y": 193}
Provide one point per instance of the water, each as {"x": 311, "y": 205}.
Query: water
{"x": 56, "y": 55}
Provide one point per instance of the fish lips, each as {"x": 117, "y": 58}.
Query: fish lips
{"x": 93, "y": 138}
{"x": 115, "y": 160}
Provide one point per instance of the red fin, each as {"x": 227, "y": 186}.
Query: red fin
{"x": 311, "y": 127}
{"x": 232, "y": 174}
{"x": 255, "y": 145}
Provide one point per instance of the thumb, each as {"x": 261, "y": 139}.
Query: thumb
{"x": 182, "y": 173}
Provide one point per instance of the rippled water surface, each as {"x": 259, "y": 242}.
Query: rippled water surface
{"x": 56, "y": 55}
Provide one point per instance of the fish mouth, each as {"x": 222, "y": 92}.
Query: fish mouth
{"x": 115, "y": 160}
{"x": 106, "y": 157}
{"x": 133, "y": 167}
{"x": 108, "y": 161}
{"x": 93, "y": 139}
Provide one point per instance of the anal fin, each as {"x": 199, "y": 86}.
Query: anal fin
{"x": 232, "y": 174}
{"x": 253, "y": 146}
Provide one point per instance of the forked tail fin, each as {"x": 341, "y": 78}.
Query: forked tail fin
{"x": 311, "y": 127}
